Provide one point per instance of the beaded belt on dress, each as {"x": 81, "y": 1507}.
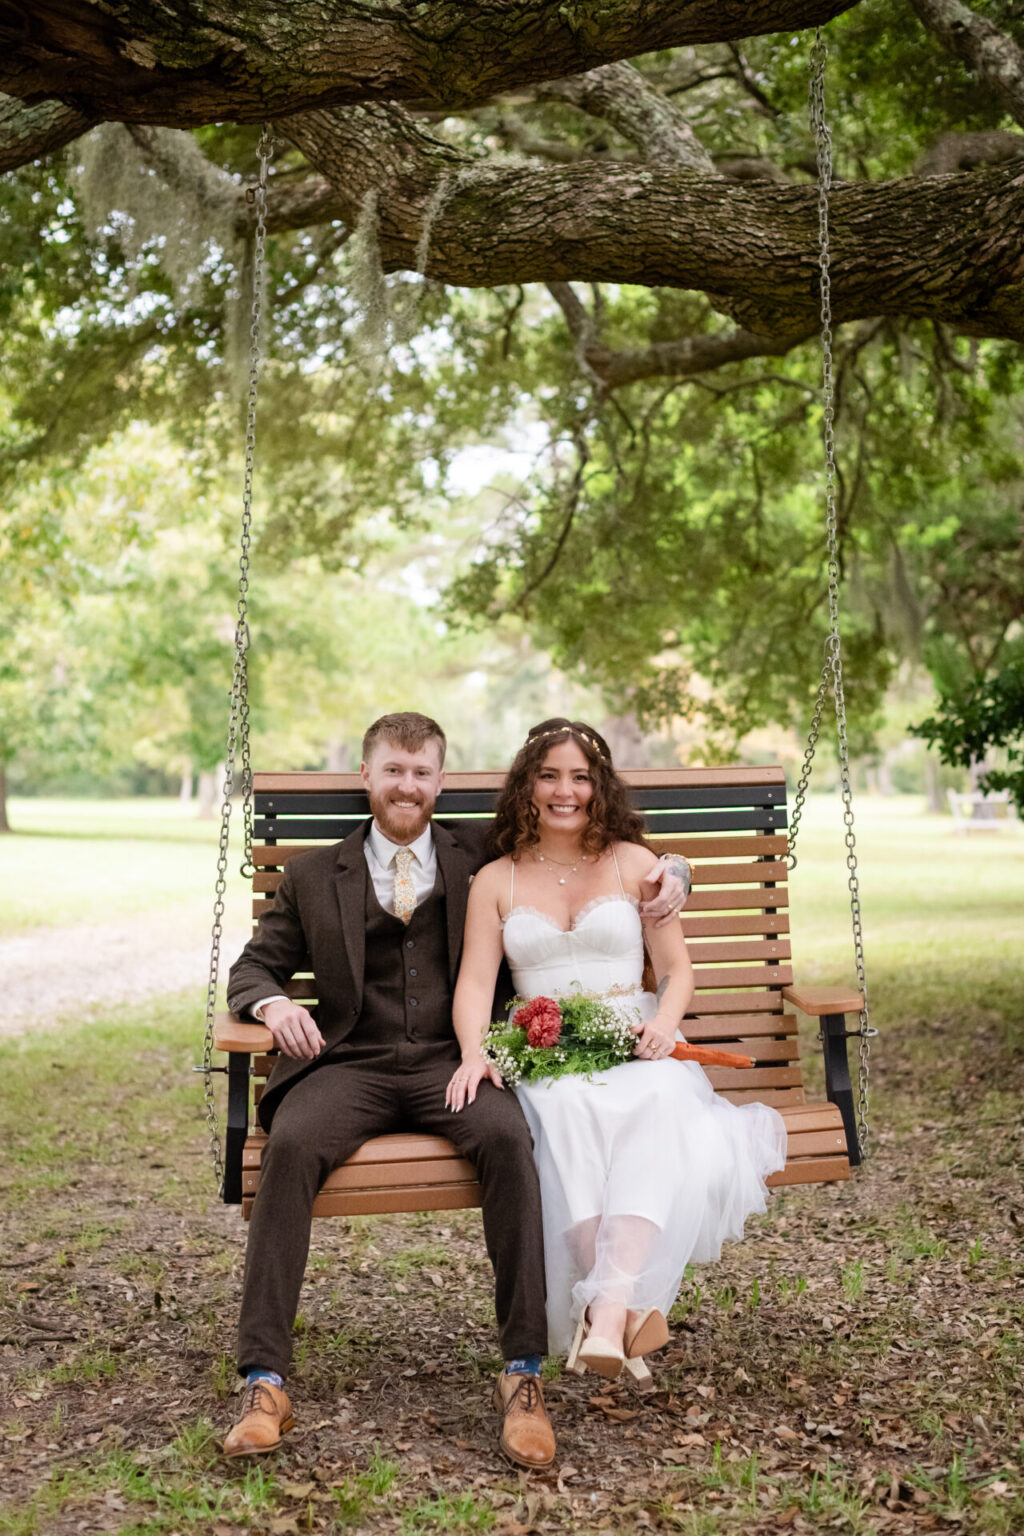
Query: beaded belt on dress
{"x": 619, "y": 990}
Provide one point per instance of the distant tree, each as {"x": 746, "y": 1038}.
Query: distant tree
{"x": 984, "y": 716}
{"x": 117, "y": 602}
{"x": 48, "y": 553}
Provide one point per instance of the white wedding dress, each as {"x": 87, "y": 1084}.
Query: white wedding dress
{"x": 644, "y": 1168}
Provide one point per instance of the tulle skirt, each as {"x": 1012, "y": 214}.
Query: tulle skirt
{"x": 643, "y": 1170}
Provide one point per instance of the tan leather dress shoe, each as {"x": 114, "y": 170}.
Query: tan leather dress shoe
{"x": 526, "y": 1439}
{"x": 266, "y": 1415}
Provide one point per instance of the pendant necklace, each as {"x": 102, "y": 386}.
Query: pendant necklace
{"x": 583, "y": 858}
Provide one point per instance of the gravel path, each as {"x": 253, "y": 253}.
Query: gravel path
{"x": 52, "y": 976}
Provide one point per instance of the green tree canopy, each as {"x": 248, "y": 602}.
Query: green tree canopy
{"x": 593, "y": 236}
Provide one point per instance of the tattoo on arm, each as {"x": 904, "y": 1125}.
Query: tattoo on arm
{"x": 680, "y": 867}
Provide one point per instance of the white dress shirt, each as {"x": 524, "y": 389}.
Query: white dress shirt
{"x": 380, "y": 861}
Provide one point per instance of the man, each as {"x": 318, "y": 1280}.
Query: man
{"x": 380, "y": 917}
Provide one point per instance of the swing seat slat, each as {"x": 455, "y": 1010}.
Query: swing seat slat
{"x": 734, "y": 920}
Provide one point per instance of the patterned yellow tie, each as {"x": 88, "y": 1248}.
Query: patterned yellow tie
{"x": 405, "y": 889}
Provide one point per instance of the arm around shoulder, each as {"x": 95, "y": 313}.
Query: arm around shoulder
{"x": 636, "y": 866}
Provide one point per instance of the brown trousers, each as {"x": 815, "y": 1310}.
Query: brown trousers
{"x": 323, "y": 1120}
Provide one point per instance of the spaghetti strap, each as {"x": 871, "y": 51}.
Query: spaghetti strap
{"x": 618, "y": 873}
{"x": 512, "y": 885}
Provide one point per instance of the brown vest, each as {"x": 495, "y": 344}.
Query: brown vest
{"x": 407, "y": 996}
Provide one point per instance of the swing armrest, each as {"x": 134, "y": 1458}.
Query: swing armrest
{"x": 831, "y": 1004}
{"x": 818, "y": 1001}
{"x": 233, "y": 1033}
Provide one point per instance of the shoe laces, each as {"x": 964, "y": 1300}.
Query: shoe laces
{"x": 527, "y": 1396}
{"x": 257, "y": 1398}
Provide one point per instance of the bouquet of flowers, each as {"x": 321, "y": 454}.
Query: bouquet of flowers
{"x": 579, "y": 1034}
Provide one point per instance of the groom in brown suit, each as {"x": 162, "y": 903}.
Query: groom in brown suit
{"x": 380, "y": 917}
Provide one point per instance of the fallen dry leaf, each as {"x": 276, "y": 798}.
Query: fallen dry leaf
{"x": 296, "y": 1490}
{"x": 915, "y": 1404}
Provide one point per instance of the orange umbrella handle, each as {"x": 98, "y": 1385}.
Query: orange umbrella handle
{"x": 706, "y": 1057}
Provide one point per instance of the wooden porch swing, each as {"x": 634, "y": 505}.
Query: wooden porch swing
{"x": 730, "y": 823}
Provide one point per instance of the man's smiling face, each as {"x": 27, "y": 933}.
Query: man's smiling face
{"x": 403, "y": 787}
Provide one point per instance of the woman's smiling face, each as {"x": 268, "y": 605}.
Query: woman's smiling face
{"x": 563, "y": 789}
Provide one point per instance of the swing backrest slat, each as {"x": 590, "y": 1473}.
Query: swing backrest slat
{"x": 731, "y": 824}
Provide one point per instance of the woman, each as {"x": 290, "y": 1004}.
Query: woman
{"x": 644, "y": 1168}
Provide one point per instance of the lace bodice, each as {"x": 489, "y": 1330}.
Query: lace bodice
{"x": 603, "y": 951}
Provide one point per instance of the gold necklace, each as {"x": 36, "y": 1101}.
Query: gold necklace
{"x": 573, "y": 868}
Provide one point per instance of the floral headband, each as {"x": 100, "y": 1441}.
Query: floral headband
{"x": 560, "y": 730}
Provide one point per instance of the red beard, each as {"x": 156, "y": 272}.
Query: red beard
{"x": 403, "y": 827}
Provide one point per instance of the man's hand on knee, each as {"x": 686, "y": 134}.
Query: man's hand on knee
{"x": 294, "y": 1030}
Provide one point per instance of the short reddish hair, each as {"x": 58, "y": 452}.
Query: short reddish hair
{"x": 407, "y": 730}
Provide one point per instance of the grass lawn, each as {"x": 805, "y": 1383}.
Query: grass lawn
{"x": 86, "y": 861}
{"x": 853, "y": 1366}
{"x": 927, "y": 893}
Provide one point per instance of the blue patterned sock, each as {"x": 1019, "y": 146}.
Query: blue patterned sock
{"x": 259, "y": 1373}
{"x": 529, "y": 1365}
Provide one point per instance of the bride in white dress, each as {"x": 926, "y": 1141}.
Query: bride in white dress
{"x": 643, "y": 1168}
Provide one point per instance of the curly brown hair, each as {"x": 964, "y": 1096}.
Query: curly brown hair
{"x": 611, "y": 818}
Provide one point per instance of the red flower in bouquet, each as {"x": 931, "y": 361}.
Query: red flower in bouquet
{"x": 542, "y": 1020}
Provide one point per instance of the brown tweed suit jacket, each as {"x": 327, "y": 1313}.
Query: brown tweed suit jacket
{"x": 318, "y": 922}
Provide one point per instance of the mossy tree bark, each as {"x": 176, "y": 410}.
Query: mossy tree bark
{"x": 945, "y": 248}
{"x": 183, "y": 63}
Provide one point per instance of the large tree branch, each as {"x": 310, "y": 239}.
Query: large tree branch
{"x": 26, "y": 132}
{"x": 183, "y": 63}
{"x": 518, "y": 137}
{"x": 947, "y": 248}
{"x": 298, "y": 206}
{"x": 620, "y": 95}
{"x": 663, "y": 359}
{"x": 992, "y": 55}
{"x": 966, "y": 151}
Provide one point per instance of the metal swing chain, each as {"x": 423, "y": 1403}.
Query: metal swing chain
{"x": 832, "y": 670}
{"x": 238, "y": 714}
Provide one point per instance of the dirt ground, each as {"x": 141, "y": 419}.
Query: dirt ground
{"x": 855, "y": 1365}
{"x": 102, "y": 965}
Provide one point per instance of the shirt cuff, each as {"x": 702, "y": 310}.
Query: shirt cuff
{"x": 256, "y": 1009}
